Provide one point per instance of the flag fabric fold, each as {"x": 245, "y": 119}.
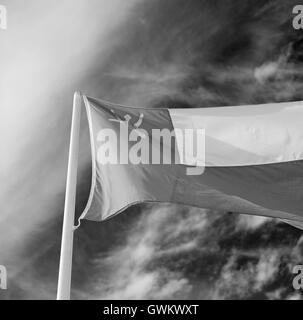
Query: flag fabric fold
{"x": 249, "y": 161}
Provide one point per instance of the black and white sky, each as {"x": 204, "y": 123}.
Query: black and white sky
{"x": 155, "y": 53}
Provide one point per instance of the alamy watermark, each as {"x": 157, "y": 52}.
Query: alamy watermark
{"x": 297, "y": 281}
{"x": 3, "y": 278}
{"x": 3, "y": 17}
{"x": 297, "y": 21}
{"x": 134, "y": 145}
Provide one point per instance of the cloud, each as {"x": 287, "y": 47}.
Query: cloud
{"x": 135, "y": 270}
{"x": 47, "y": 52}
{"x": 247, "y": 222}
{"x": 246, "y": 273}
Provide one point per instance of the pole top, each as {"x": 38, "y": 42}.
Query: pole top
{"x": 77, "y": 99}
{"x": 77, "y": 94}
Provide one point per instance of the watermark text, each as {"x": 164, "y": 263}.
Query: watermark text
{"x": 298, "y": 279}
{"x": 297, "y": 21}
{"x": 3, "y": 17}
{"x": 3, "y": 278}
{"x": 130, "y": 144}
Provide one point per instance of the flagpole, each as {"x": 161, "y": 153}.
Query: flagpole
{"x": 66, "y": 256}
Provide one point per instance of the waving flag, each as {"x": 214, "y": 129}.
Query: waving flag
{"x": 245, "y": 159}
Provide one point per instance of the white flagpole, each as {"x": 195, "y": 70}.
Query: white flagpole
{"x": 65, "y": 269}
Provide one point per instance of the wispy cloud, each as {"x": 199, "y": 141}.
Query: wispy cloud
{"x": 135, "y": 271}
{"x": 46, "y": 53}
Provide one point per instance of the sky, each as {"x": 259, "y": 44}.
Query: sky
{"x": 172, "y": 53}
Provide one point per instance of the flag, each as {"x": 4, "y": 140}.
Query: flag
{"x": 244, "y": 159}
